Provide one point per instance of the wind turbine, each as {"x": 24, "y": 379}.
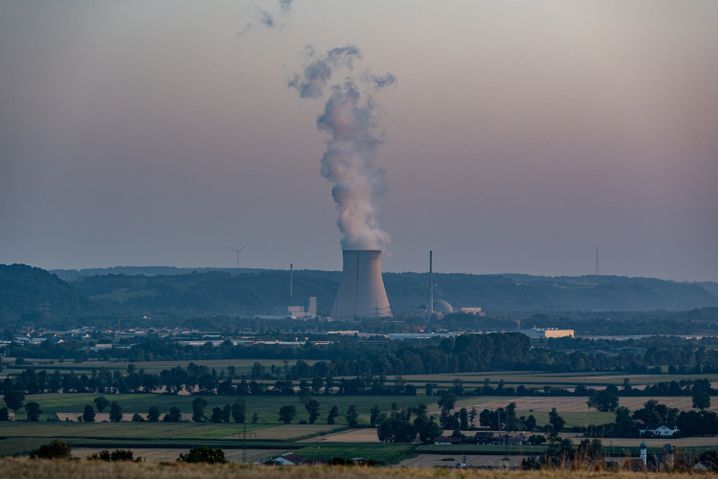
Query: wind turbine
{"x": 237, "y": 251}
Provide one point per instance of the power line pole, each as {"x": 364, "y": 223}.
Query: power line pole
{"x": 596, "y": 263}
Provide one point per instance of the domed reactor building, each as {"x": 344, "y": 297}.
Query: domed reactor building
{"x": 361, "y": 291}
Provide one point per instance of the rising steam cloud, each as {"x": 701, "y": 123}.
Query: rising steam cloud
{"x": 269, "y": 19}
{"x": 350, "y": 121}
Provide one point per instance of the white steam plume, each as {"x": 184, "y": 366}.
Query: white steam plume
{"x": 349, "y": 162}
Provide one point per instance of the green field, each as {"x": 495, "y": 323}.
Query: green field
{"x": 539, "y": 378}
{"x": 266, "y": 406}
{"x": 384, "y": 453}
{"x": 242, "y": 366}
{"x": 161, "y": 431}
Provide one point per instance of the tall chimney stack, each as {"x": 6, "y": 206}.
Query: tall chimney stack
{"x": 361, "y": 291}
{"x": 291, "y": 284}
{"x": 430, "y": 306}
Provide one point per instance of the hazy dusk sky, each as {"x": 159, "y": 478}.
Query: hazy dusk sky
{"x": 520, "y": 134}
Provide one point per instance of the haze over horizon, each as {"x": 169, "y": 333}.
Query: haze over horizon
{"x": 518, "y": 137}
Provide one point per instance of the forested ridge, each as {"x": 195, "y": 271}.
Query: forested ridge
{"x": 34, "y": 295}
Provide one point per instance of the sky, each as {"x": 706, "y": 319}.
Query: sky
{"x": 518, "y": 136}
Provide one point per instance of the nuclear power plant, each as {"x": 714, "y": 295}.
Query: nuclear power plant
{"x": 361, "y": 291}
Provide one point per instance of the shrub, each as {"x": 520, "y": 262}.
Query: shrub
{"x": 203, "y": 454}
{"x": 115, "y": 456}
{"x": 54, "y": 450}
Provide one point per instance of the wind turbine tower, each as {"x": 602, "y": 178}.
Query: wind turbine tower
{"x": 237, "y": 251}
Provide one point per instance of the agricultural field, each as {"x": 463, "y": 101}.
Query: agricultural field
{"x": 161, "y": 430}
{"x": 164, "y": 441}
{"x": 266, "y": 406}
{"x": 364, "y": 435}
{"x": 576, "y": 405}
{"x": 170, "y": 455}
{"x": 494, "y": 461}
{"x": 572, "y": 409}
{"x": 539, "y": 378}
{"x": 242, "y": 366}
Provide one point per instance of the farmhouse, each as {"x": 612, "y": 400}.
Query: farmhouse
{"x": 493, "y": 438}
{"x": 447, "y": 441}
{"x": 288, "y": 459}
{"x": 662, "y": 431}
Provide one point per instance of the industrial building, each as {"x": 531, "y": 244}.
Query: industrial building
{"x": 548, "y": 333}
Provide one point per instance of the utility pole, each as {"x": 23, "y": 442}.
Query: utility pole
{"x": 245, "y": 434}
{"x": 595, "y": 272}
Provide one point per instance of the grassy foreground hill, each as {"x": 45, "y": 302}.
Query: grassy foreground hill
{"x": 90, "y": 470}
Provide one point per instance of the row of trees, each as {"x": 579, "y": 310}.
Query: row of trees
{"x": 608, "y": 399}
{"x": 654, "y": 414}
{"x": 226, "y": 382}
{"x": 462, "y": 354}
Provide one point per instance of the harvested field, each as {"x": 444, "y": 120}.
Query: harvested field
{"x": 170, "y": 455}
{"x": 450, "y": 461}
{"x": 288, "y": 432}
{"x": 570, "y": 404}
{"x": 351, "y": 435}
{"x": 657, "y": 443}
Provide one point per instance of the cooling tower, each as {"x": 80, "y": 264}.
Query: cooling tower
{"x": 361, "y": 292}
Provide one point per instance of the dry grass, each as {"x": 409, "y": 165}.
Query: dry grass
{"x": 24, "y": 469}
{"x": 166, "y": 454}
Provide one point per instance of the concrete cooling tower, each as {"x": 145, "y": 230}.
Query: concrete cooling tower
{"x": 361, "y": 292}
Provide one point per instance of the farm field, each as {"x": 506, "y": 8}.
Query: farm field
{"x": 540, "y": 378}
{"x": 367, "y": 435}
{"x": 171, "y": 454}
{"x": 683, "y": 442}
{"x": 161, "y": 430}
{"x": 266, "y": 406}
{"x": 242, "y": 366}
{"x": 528, "y": 404}
{"x": 496, "y": 461}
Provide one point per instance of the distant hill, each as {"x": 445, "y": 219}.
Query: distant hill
{"x": 31, "y": 294}
{"x": 710, "y": 286}
{"x": 27, "y": 293}
{"x": 517, "y": 292}
{"x": 75, "y": 274}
